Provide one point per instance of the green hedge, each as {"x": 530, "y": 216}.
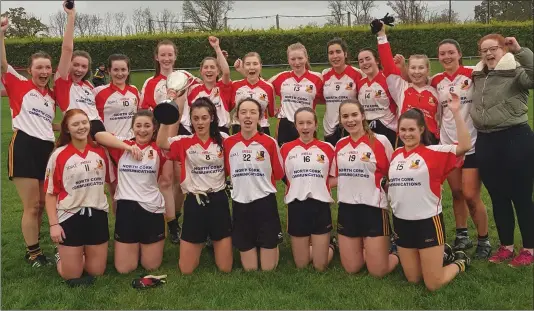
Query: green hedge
{"x": 272, "y": 44}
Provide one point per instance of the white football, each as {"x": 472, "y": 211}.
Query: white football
{"x": 178, "y": 81}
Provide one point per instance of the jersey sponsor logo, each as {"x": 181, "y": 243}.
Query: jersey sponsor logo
{"x": 309, "y": 88}
{"x": 415, "y": 164}
{"x": 260, "y": 156}
{"x": 366, "y": 157}
{"x": 349, "y": 86}
{"x": 150, "y": 154}
{"x": 320, "y": 158}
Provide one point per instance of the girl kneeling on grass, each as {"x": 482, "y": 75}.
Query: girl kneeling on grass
{"x": 206, "y": 206}
{"x": 76, "y": 203}
{"x": 416, "y": 175}
{"x": 307, "y": 162}
{"x": 362, "y": 161}
{"x": 139, "y": 224}
{"x": 253, "y": 161}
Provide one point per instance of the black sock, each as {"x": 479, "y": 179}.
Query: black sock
{"x": 483, "y": 239}
{"x": 34, "y": 250}
{"x": 178, "y": 214}
{"x": 461, "y": 232}
{"x": 173, "y": 224}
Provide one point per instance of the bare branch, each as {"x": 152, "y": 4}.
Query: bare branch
{"x": 120, "y": 19}
{"x": 337, "y": 8}
{"x": 207, "y": 14}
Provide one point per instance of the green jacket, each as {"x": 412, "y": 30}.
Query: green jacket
{"x": 500, "y": 96}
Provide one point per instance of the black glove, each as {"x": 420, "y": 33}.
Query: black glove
{"x": 376, "y": 25}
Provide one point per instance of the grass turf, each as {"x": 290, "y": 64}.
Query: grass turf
{"x": 484, "y": 286}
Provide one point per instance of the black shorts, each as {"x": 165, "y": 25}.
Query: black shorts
{"x": 134, "y": 224}
{"x": 470, "y": 161}
{"x": 236, "y": 128}
{"x": 212, "y": 220}
{"x": 224, "y": 129}
{"x": 256, "y": 224}
{"x": 96, "y": 127}
{"x": 421, "y": 233}
{"x": 379, "y": 128}
{"x": 28, "y": 156}
{"x": 308, "y": 217}
{"x": 360, "y": 220}
{"x": 336, "y": 136}
{"x": 182, "y": 130}
{"x": 91, "y": 228}
{"x": 286, "y": 131}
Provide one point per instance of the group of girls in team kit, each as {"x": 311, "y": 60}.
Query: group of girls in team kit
{"x": 109, "y": 136}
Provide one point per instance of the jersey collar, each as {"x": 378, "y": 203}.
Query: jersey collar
{"x": 378, "y": 75}
{"x": 416, "y": 149}
{"x": 117, "y": 89}
{"x": 298, "y": 79}
{"x": 344, "y": 72}
{"x": 247, "y": 142}
{"x": 360, "y": 140}
{"x": 83, "y": 154}
{"x": 205, "y": 145}
{"x": 308, "y": 145}
{"x": 250, "y": 85}
{"x": 453, "y": 76}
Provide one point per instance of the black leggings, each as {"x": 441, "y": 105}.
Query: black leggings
{"x": 506, "y": 166}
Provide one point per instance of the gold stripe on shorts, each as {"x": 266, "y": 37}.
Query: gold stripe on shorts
{"x": 385, "y": 222}
{"x": 11, "y": 153}
{"x": 439, "y": 229}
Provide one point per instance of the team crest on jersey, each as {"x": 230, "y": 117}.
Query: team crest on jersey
{"x": 366, "y": 156}
{"x": 216, "y": 92}
{"x": 47, "y": 173}
{"x": 431, "y": 101}
{"x": 309, "y": 88}
{"x": 415, "y": 164}
{"x": 219, "y": 153}
{"x": 320, "y": 158}
{"x": 465, "y": 85}
{"x": 349, "y": 86}
{"x": 378, "y": 94}
{"x": 150, "y": 154}
{"x": 263, "y": 97}
{"x": 99, "y": 164}
{"x": 260, "y": 156}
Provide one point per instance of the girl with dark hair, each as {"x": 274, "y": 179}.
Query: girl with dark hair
{"x": 139, "y": 221}
{"x": 464, "y": 180}
{"x": 416, "y": 174}
{"x": 307, "y": 162}
{"x": 71, "y": 84}
{"x": 299, "y": 87}
{"x": 219, "y": 91}
{"x": 32, "y": 105}
{"x": 154, "y": 91}
{"x": 76, "y": 203}
{"x": 375, "y": 97}
{"x": 361, "y": 163}
{"x": 253, "y": 162}
{"x": 502, "y": 80}
{"x": 415, "y": 92}
{"x": 340, "y": 84}
{"x": 206, "y": 207}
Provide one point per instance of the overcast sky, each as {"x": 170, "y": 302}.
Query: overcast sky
{"x": 43, "y": 9}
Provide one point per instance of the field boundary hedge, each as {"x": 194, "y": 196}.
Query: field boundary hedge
{"x": 272, "y": 44}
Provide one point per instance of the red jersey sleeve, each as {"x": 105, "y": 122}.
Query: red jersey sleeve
{"x": 276, "y": 161}
{"x": 386, "y": 58}
{"x": 176, "y": 150}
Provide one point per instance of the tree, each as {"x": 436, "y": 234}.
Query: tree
{"x": 22, "y": 24}
{"x": 82, "y": 23}
{"x": 119, "y": 19}
{"x": 361, "y": 10}
{"x": 95, "y": 23}
{"x": 207, "y": 14}
{"x": 504, "y": 11}
{"x": 443, "y": 17}
{"x": 409, "y": 11}
{"x": 167, "y": 20}
{"x": 107, "y": 26}
{"x": 57, "y": 23}
{"x": 337, "y": 8}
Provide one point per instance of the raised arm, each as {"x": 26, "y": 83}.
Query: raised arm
{"x": 108, "y": 140}
{"x": 525, "y": 57}
{"x": 4, "y": 24}
{"x": 464, "y": 138}
{"x": 238, "y": 66}
{"x": 221, "y": 59}
{"x": 68, "y": 44}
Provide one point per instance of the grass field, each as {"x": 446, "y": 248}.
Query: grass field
{"x": 484, "y": 286}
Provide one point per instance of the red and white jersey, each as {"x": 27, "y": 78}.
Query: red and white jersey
{"x": 78, "y": 179}
{"x": 138, "y": 180}
{"x": 336, "y": 89}
{"x": 220, "y": 96}
{"x": 262, "y": 91}
{"x": 296, "y": 92}
{"x": 462, "y": 84}
{"x": 359, "y": 167}
{"x": 117, "y": 107}
{"x": 32, "y": 110}
{"x": 154, "y": 90}
{"x": 416, "y": 179}
{"x": 80, "y": 95}
{"x": 307, "y": 167}
{"x": 253, "y": 165}
{"x": 202, "y": 163}
{"x": 405, "y": 94}
{"x": 375, "y": 97}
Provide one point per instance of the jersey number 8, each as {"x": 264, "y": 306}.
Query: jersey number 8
{"x": 126, "y": 103}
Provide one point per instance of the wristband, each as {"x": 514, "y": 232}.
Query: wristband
{"x": 382, "y": 39}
